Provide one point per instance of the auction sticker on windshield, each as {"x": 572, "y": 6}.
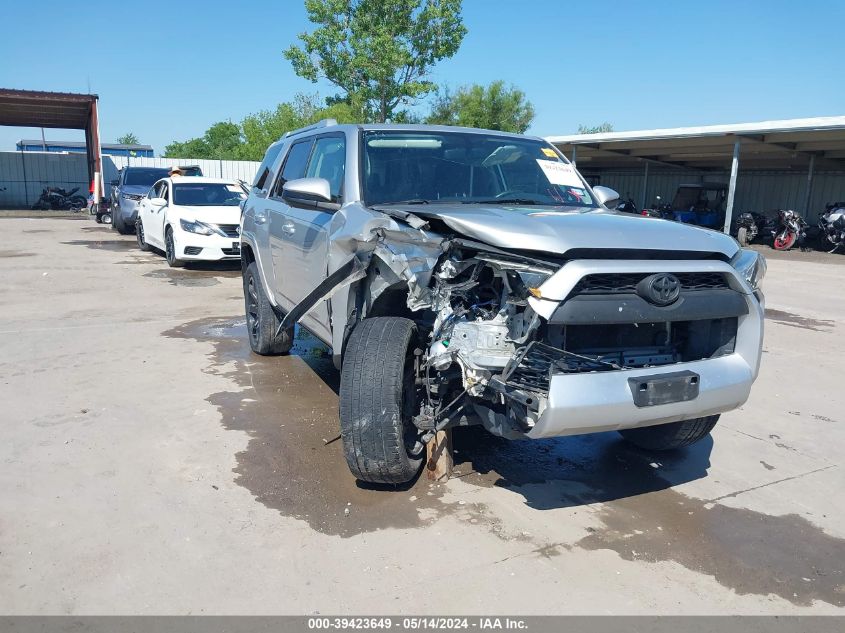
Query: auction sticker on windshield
{"x": 559, "y": 173}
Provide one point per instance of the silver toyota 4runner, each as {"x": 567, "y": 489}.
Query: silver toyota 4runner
{"x": 465, "y": 276}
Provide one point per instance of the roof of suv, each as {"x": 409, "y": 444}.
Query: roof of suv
{"x": 323, "y": 127}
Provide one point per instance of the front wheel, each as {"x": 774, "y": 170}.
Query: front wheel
{"x": 378, "y": 399}
{"x": 668, "y": 437}
{"x": 742, "y": 236}
{"x": 170, "y": 249}
{"x": 784, "y": 240}
{"x": 139, "y": 235}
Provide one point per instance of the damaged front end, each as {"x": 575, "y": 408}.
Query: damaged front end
{"x": 486, "y": 356}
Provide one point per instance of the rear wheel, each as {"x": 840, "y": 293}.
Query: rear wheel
{"x": 261, "y": 320}
{"x": 378, "y": 399}
{"x": 742, "y": 236}
{"x": 667, "y": 437}
{"x": 170, "y": 250}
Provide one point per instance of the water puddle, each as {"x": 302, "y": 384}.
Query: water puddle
{"x": 117, "y": 246}
{"x": 294, "y": 461}
{"x": 795, "y": 320}
{"x": 196, "y": 275}
{"x": 4, "y": 254}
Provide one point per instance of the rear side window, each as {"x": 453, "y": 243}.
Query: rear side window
{"x": 329, "y": 161}
{"x": 266, "y": 165}
{"x": 295, "y": 164}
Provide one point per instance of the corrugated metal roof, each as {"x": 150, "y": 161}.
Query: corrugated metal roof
{"x": 786, "y": 144}
{"x": 39, "y": 142}
{"x": 762, "y": 127}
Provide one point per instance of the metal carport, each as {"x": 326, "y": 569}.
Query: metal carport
{"x": 804, "y": 146}
{"x": 31, "y": 108}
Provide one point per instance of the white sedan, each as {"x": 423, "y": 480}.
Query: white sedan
{"x": 191, "y": 219}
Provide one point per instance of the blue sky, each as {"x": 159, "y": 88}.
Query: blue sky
{"x": 167, "y": 70}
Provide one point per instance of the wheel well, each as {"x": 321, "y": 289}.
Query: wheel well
{"x": 393, "y": 301}
{"x": 247, "y": 256}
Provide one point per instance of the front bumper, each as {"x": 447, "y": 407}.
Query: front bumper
{"x": 195, "y": 247}
{"x": 603, "y": 401}
{"x": 128, "y": 210}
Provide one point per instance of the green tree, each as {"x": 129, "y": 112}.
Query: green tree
{"x": 267, "y": 126}
{"x": 222, "y": 140}
{"x": 249, "y": 139}
{"x": 495, "y": 107}
{"x": 596, "y": 129}
{"x": 378, "y": 52}
{"x": 128, "y": 139}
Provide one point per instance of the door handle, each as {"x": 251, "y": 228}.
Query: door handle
{"x": 288, "y": 228}
{"x": 260, "y": 218}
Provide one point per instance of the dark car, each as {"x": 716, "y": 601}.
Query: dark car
{"x": 131, "y": 185}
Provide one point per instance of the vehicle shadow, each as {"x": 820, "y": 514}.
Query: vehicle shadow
{"x": 573, "y": 471}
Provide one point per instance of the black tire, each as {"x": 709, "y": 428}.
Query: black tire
{"x": 170, "y": 250}
{"x": 78, "y": 202}
{"x": 106, "y": 218}
{"x": 98, "y": 219}
{"x": 139, "y": 235}
{"x": 261, "y": 320}
{"x": 120, "y": 225}
{"x": 668, "y": 437}
{"x": 377, "y": 401}
{"x": 742, "y": 236}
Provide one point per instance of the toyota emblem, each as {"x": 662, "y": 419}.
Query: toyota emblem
{"x": 661, "y": 289}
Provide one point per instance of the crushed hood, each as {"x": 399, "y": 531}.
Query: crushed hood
{"x": 558, "y": 230}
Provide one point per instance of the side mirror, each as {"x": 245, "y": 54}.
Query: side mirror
{"x": 307, "y": 190}
{"x": 606, "y": 196}
{"x": 158, "y": 202}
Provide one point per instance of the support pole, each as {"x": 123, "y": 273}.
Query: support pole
{"x": 574, "y": 154}
{"x": 809, "y": 191}
{"x": 438, "y": 463}
{"x": 645, "y": 187}
{"x": 732, "y": 188}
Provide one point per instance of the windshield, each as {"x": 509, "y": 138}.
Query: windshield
{"x": 207, "y": 194}
{"x": 430, "y": 167}
{"x": 144, "y": 176}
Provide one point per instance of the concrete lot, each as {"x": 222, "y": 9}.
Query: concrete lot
{"x": 150, "y": 464}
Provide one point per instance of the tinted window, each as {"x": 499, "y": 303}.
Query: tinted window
{"x": 144, "y": 176}
{"x": 328, "y": 161}
{"x": 266, "y": 165}
{"x": 295, "y": 163}
{"x": 207, "y": 194}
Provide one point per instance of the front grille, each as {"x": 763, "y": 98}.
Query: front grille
{"x": 613, "y": 283}
{"x": 193, "y": 250}
{"x": 231, "y": 230}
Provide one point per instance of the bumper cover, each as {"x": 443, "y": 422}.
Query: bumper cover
{"x": 602, "y": 401}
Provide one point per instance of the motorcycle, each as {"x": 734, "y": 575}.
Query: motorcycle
{"x": 749, "y": 226}
{"x": 627, "y": 206}
{"x": 832, "y": 226}
{"x": 59, "y": 199}
{"x": 791, "y": 229}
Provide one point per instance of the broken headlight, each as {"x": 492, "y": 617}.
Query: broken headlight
{"x": 751, "y": 265}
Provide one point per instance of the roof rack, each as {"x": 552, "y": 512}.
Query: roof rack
{"x": 313, "y": 126}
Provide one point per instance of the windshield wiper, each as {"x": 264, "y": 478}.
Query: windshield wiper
{"x": 508, "y": 201}
{"x": 411, "y": 201}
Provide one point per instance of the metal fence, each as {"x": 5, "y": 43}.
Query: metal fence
{"x": 24, "y": 174}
